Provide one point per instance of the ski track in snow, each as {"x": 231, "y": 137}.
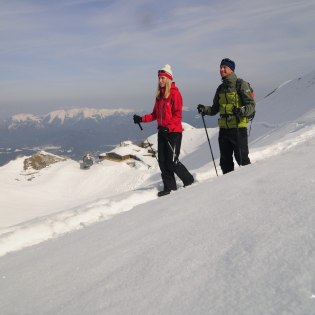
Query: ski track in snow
{"x": 303, "y": 134}
{"x": 44, "y": 228}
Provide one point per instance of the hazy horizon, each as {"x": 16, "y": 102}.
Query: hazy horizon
{"x": 105, "y": 54}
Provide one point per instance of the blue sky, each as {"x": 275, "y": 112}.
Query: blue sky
{"x": 105, "y": 54}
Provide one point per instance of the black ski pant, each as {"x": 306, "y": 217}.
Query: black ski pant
{"x": 168, "y": 151}
{"x": 234, "y": 140}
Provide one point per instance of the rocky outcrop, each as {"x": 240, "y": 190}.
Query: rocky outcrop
{"x": 41, "y": 160}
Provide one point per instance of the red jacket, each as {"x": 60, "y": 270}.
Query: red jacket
{"x": 168, "y": 112}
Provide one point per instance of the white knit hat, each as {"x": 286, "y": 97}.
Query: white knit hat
{"x": 166, "y": 71}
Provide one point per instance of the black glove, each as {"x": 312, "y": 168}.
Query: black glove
{"x": 137, "y": 119}
{"x": 201, "y": 109}
{"x": 238, "y": 111}
{"x": 163, "y": 129}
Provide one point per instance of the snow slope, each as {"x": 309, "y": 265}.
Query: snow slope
{"x": 242, "y": 243}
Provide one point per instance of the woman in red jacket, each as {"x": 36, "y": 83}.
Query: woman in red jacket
{"x": 167, "y": 112}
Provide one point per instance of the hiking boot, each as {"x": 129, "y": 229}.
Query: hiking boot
{"x": 163, "y": 193}
{"x": 189, "y": 183}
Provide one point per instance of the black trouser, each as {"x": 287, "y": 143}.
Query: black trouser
{"x": 168, "y": 151}
{"x": 234, "y": 140}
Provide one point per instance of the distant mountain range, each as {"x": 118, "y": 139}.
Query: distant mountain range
{"x": 74, "y": 132}
{"x": 67, "y": 118}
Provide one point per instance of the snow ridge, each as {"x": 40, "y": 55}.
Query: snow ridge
{"x": 60, "y": 116}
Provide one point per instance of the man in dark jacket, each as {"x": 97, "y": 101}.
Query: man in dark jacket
{"x": 234, "y": 104}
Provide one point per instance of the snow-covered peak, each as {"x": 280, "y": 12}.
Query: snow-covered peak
{"x": 24, "y": 119}
{"x": 83, "y": 113}
{"x": 289, "y": 101}
{"x": 61, "y": 116}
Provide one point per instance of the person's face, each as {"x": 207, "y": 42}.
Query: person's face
{"x": 225, "y": 71}
{"x": 162, "y": 81}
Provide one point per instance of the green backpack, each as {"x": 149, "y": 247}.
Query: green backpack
{"x": 238, "y": 90}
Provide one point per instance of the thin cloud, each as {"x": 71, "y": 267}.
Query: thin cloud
{"x": 72, "y": 43}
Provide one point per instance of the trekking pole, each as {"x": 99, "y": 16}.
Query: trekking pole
{"x": 149, "y": 143}
{"x": 250, "y": 127}
{"x": 203, "y": 119}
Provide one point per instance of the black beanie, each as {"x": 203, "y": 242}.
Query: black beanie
{"x": 228, "y": 62}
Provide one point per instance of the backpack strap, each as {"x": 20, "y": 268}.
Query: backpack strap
{"x": 238, "y": 86}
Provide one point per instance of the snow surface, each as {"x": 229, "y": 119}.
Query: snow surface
{"x": 99, "y": 241}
